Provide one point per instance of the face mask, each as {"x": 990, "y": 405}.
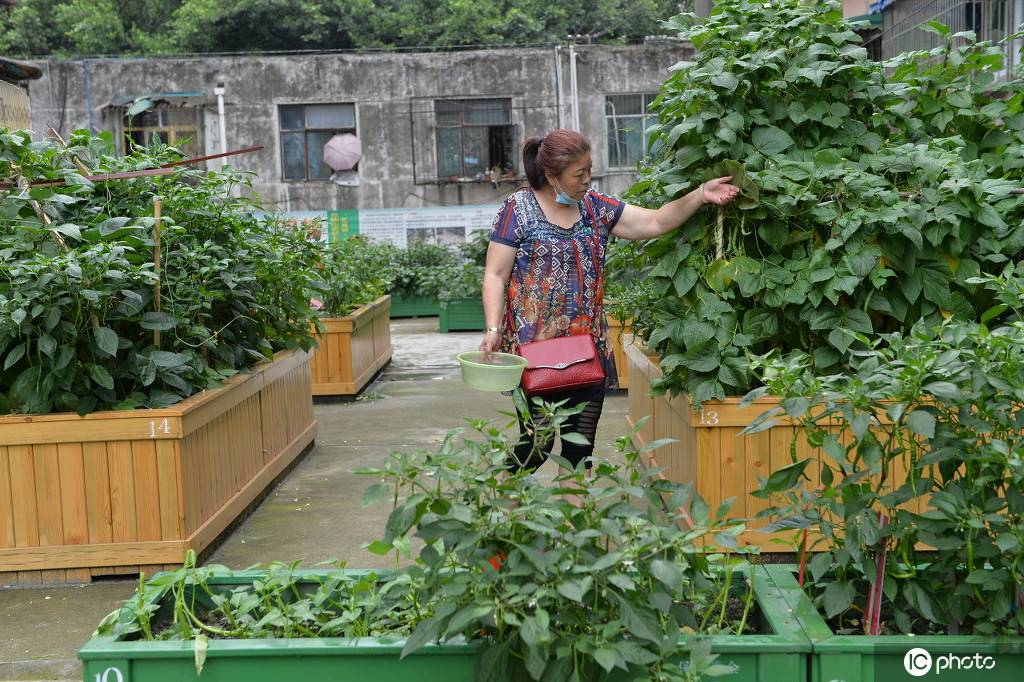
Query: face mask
{"x": 563, "y": 198}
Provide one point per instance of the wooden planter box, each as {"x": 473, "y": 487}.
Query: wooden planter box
{"x": 417, "y": 306}
{"x": 863, "y": 658}
{"x": 710, "y": 452}
{"x": 779, "y": 655}
{"x": 617, "y": 333}
{"x": 352, "y": 349}
{"x": 116, "y": 492}
{"x": 462, "y": 315}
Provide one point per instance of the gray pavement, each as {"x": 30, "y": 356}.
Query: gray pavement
{"x": 314, "y": 514}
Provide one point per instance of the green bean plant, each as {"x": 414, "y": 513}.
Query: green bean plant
{"x": 89, "y": 320}
{"x": 944, "y": 405}
{"x": 868, "y": 199}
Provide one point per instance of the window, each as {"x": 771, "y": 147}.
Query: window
{"x": 628, "y": 118}
{"x": 475, "y": 139}
{"x": 305, "y": 129}
{"x": 178, "y": 127}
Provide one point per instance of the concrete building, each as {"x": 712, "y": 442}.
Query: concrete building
{"x": 437, "y": 129}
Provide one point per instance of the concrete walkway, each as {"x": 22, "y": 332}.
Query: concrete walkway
{"x": 314, "y": 514}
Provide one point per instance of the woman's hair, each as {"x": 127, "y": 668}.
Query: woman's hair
{"x": 552, "y": 154}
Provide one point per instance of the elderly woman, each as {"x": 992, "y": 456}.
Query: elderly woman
{"x": 544, "y": 275}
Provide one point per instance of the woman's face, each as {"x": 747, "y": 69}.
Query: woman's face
{"x": 575, "y": 179}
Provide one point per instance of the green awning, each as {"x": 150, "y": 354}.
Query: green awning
{"x": 874, "y": 19}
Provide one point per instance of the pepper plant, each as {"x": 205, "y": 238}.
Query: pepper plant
{"x": 566, "y": 579}
{"x": 945, "y": 406}
{"x": 858, "y": 211}
{"x": 87, "y": 319}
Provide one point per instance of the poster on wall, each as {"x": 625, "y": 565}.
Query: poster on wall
{"x": 448, "y": 226}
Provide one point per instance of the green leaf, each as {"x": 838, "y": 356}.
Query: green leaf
{"x": 784, "y": 478}
{"x": 725, "y": 80}
{"x": 106, "y": 340}
{"x": 101, "y": 376}
{"x": 944, "y": 389}
{"x": 639, "y": 623}
{"x": 838, "y": 598}
{"x": 606, "y": 658}
{"x": 19, "y": 315}
{"x": 15, "y": 354}
{"x": 375, "y": 493}
{"x": 771, "y": 141}
{"x": 158, "y": 321}
{"x": 922, "y": 423}
{"x": 575, "y": 439}
{"x": 381, "y": 548}
{"x": 667, "y": 573}
{"x": 426, "y": 632}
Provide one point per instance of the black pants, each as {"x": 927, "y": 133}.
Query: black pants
{"x": 584, "y": 423}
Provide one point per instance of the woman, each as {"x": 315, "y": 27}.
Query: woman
{"x": 544, "y": 272}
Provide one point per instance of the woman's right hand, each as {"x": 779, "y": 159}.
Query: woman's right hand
{"x": 490, "y": 342}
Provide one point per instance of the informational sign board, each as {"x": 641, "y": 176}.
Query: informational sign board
{"x": 449, "y": 225}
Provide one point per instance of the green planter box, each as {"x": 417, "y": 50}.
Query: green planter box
{"x": 462, "y": 315}
{"x": 860, "y": 658}
{"x": 781, "y": 656}
{"x": 418, "y": 306}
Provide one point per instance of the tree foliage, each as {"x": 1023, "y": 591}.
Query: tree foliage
{"x": 77, "y": 27}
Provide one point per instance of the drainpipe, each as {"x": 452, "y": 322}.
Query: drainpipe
{"x": 558, "y": 82}
{"x": 219, "y": 91}
{"x": 87, "y": 85}
{"x": 573, "y": 92}
{"x": 1018, "y": 44}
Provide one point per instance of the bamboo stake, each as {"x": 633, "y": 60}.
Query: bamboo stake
{"x": 157, "y": 205}
{"x": 720, "y": 234}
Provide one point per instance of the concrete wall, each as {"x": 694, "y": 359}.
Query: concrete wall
{"x": 394, "y": 97}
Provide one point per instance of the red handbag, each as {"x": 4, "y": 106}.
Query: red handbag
{"x": 561, "y": 364}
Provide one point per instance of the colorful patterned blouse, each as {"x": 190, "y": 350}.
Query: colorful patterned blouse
{"x": 557, "y": 282}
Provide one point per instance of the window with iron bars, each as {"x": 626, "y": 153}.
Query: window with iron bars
{"x": 627, "y": 120}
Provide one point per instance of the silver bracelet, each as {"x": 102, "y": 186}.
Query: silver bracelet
{"x": 493, "y": 329}
{"x": 703, "y": 198}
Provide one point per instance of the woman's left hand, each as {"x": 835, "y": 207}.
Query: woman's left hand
{"x": 719, "y": 191}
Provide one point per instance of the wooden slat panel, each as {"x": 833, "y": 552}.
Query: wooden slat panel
{"x": 97, "y": 492}
{"x": 709, "y": 476}
{"x": 732, "y": 459}
{"x": 74, "y": 512}
{"x": 48, "y": 505}
{"x": 23, "y": 496}
{"x": 122, "y": 491}
{"x": 6, "y": 502}
{"x": 340, "y": 366}
{"x": 147, "y": 489}
{"x": 759, "y": 448}
{"x": 167, "y": 485}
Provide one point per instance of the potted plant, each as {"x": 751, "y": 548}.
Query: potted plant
{"x": 869, "y": 202}
{"x": 514, "y": 580}
{"x": 144, "y": 324}
{"x": 355, "y": 313}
